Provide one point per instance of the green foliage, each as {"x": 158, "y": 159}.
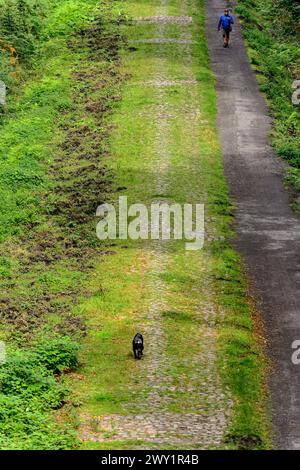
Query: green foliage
{"x": 292, "y": 5}
{"x": 272, "y": 32}
{"x": 26, "y": 427}
{"x": 29, "y": 390}
{"x": 57, "y": 354}
{"x": 35, "y": 129}
{"x": 21, "y": 23}
{"x": 21, "y": 26}
{"x": 22, "y": 376}
{"x": 70, "y": 16}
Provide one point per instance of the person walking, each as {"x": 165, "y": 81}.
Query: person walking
{"x": 226, "y": 21}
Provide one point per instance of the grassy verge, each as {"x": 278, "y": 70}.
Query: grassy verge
{"x": 271, "y": 29}
{"x": 203, "y": 303}
{"x": 52, "y": 176}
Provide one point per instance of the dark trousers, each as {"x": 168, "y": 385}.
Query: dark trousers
{"x": 226, "y": 33}
{"x": 226, "y": 36}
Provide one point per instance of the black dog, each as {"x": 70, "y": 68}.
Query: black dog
{"x": 138, "y": 346}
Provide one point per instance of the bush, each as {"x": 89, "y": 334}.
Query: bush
{"x": 57, "y": 354}
{"x": 24, "y": 427}
{"x": 21, "y": 24}
{"x": 29, "y": 390}
{"x": 21, "y": 376}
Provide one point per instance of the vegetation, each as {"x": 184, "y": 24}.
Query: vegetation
{"x": 29, "y": 390}
{"x": 21, "y": 26}
{"x": 271, "y": 28}
{"x": 59, "y": 159}
{"x": 46, "y": 229}
{"x": 201, "y": 295}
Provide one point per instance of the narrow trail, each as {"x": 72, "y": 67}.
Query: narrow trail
{"x": 268, "y": 230}
{"x": 152, "y": 414}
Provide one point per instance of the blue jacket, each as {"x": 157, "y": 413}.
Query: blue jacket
{"x": 225, "y": 21}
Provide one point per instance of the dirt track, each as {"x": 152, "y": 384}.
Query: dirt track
{"x": 268, "y": 230}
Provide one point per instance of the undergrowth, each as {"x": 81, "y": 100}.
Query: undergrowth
{"x": 31, "y": 386}
{"x": 60, "y": 65}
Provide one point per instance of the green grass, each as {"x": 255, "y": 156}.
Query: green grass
{"x": 47, "y": 228}
{"x": 69, "y": 143}
{"x": 241, "y": 360}
{"x": 193, "y": 284}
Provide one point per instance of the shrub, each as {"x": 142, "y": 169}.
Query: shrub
{"x": 21, "y": 24}
{"x": 57, "y": 354}
{"x": 24, "y": 427}
{"x": 29, "y": 390}
{"x": 21, "y": 376}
